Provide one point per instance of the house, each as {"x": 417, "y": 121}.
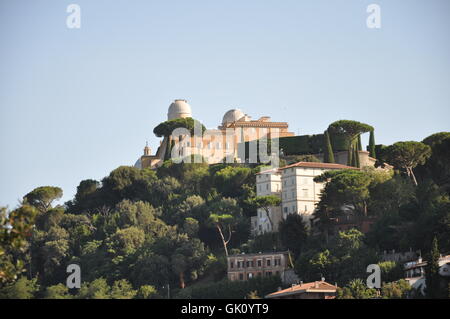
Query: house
{"x": 246, "y": 266}
{"x": 268, "y": 182}
{"x": 415, "y": 272}
{"x": 298, "y": 191}
{"x": 310, "y": 290}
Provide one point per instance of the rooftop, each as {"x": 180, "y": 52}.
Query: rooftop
{"x": 259, "y": 254}
{"x": 316, "y": 286}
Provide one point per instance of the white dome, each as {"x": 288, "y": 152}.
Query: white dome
{"x": 178, "y": 109}
{"x": 232, "y": 116}
{"x": 138, "y": 164}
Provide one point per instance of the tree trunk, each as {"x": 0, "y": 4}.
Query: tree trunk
{"x": 224, "y": 242}
{"x": 182, "y": 283}
{"x": 411, "y": 173}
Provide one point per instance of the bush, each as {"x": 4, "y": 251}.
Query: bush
{"x": 226, "y": 289}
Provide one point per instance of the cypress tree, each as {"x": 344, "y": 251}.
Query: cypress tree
{"x": 350, "y": 156}
{"x": 372, "y": 145}
{"x": 356, "y": 157}
{"x": 358, "y": 148}
{"x": 328, "y": 156}
{"x": 432, "y": 272}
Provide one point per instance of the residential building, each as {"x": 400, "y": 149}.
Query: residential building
{"x": 300, "y": 193}
{"x": 267, "y": 183}
{"x": 415, "y": 272}
{"x": 246, "y": 266}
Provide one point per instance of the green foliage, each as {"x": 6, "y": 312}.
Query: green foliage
{"x": 437, "y": 167}
{"x": 97, "y": 289}
{"x": 396, "y": 290}
{"x": 293, "y": 233}
{"x": 432, "y": 272}
{"x": 407, "y": 155}
{"x": 371, "y": 148}
{"x": 391, "y": 271}
{"x": 226, "y": 289}
{"x": 166, "y": 128}
{"x": 230, "y": 179}
{"x": 345, "y": 258}
{"x": 147, "y": 292}
{"x": 356, "y": 289}
{"x": 291, "y": 159}
{"x": 21, "y": 289}
{"x": 59, "y": 291}
{"x": 42, "y": 197}
{"x": 122, "y": 289}
{"x": 352, "y": 131}
{"x": 15, "y": 228}
{"x": 139, "y": 231}
{"x": 264, "y": 243}
{"x": 346, "y": 187}
{"x": 328, "y": 156}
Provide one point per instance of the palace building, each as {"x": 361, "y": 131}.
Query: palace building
{"x": 215, "y": 144}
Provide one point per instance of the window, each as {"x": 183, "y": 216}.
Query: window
{"x": 267, "y": 186}
{"x": 293, "y": 194}
{"x": 268, "y": 273}
{"x": 285, "y": 209}
{"x": 231, "y": 264}
{"x": 241, "y": 276}
{"x": 249, "y": 275}
{"x": 305, "y": 192}
{"x": 259, "y": 263}
{"x": 268, "y": 262}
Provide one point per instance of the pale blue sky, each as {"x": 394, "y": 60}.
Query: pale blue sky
{"x": 75, "y": 104}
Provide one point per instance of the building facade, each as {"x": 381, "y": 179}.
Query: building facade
{"x": 246, "y": 266}
{"x": 215, "y": 144}
{"x": 297, "y": 189}
{"x": 267, "y": 183}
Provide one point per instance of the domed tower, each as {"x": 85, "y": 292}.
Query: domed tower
{"x": 232, "y": 116}
{"x": 179, "y": 109}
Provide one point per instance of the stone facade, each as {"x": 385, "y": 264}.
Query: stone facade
{"x": 246, "y": 266}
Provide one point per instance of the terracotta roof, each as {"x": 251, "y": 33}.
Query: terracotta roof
{"x": 316, "y": 286}
{"x": 319, "y": 165}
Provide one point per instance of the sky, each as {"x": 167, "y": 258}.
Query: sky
{"x": 77, "y": 103}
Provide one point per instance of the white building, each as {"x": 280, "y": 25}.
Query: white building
{"x": 267, "y": 183}
{"x": 297, "y": 189}
{"x": 300, "y": 193}
{"x": 415, "y": 272}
